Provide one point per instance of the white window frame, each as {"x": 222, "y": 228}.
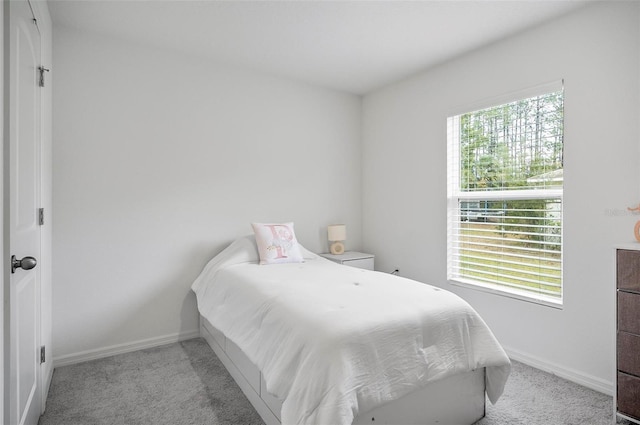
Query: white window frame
{"x": 455, "y": 196}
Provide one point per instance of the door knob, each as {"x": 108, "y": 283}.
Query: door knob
{"x": 27, "y": 263}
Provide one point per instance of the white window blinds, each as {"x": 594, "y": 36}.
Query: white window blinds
{"x": 505, "y": 179}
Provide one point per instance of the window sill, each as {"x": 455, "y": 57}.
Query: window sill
{"x": 509, "y": 293}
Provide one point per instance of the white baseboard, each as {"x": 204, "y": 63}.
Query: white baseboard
{"x": 128, "y": 347}
{"x": 580, "y": 378}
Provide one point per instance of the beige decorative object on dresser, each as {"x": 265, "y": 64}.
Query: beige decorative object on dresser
{"x": 627, "y": 394}
{"x": 353, "y": 259}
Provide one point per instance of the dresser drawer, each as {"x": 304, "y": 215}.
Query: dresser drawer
{"x": 629, "y": 395}
{"x": 629, "y": 353}
{"x": 629, "y": 312}
{"x": 628, "y": 270}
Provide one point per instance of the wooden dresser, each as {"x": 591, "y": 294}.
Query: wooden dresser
{"x": 627, "y": 396}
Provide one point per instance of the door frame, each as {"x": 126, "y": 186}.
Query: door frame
{"x": 3, "y": 130}
{"x": 41, "y": 12}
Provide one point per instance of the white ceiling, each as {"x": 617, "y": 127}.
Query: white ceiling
{"x": 354, "y": 46}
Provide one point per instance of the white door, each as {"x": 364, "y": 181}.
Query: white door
{"x": 24, "y": 231}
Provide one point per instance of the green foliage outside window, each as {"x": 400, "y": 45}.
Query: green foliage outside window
{"x": 516, "y": 146}
{"x": 513, "y": 146}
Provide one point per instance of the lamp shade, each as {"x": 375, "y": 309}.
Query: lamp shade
{"x": 337, "y": 232}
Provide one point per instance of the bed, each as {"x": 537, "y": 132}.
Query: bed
{"x": 316, "y": 342}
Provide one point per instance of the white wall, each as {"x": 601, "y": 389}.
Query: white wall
{"x": 160, "y": 161}
{"x": 596, "y": 50}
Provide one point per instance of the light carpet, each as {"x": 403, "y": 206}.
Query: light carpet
{"x": 176, "y": 384}
{"x": 185, "y": 384}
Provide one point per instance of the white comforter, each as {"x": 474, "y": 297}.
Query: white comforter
{"x": 333, "y": 341}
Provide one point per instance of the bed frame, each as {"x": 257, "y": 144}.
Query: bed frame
{"x": 459, "y": 399}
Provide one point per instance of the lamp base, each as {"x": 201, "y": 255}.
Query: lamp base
{"x": 337, "y": 248}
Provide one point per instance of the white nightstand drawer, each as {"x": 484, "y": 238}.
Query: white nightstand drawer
{"x": 363, "y": 263}
{"x": 353, "y": 259}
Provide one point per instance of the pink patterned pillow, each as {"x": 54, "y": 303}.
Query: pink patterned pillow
{"x": 277, "y": 243}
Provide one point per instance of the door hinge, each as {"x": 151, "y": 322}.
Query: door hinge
{"x": 43, "y": 357}
{"x": 42, "y": 70}
{"x": 41, "y": 216}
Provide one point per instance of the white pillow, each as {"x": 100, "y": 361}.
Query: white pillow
{"x": 277, "y": 243}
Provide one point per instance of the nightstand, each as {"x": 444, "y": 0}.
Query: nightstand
{"x": 353, "y": 259}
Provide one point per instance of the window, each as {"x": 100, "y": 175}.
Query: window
{"x": 505, "y": 180}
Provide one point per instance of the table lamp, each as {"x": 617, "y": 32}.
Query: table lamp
{"x": 337, "y": 234}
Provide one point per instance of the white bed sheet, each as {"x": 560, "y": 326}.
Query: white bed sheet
{"x": 333, "y": 341}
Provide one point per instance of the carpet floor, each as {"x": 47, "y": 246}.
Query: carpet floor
{"x": 185, "y": 384}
